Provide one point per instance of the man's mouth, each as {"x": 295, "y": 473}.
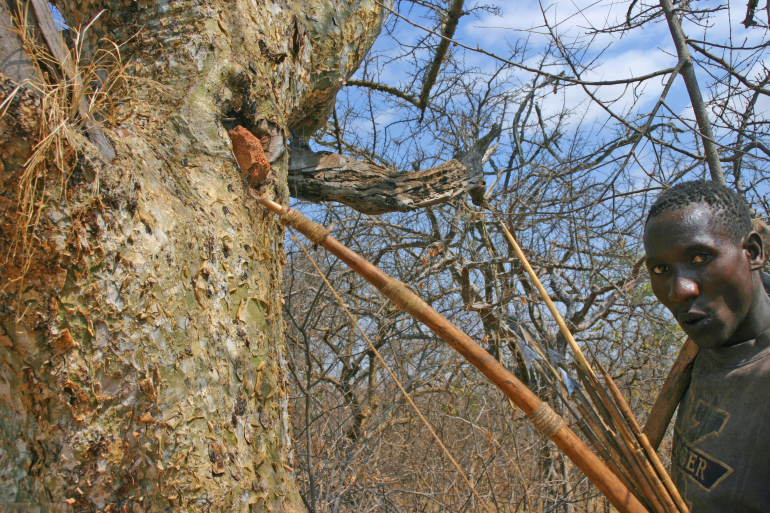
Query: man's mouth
{"x": 692, "y": 319}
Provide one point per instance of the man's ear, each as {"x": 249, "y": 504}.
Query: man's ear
{"x": 755, "y": 245}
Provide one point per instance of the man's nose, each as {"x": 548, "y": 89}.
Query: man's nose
{"x": 683, "y": 288}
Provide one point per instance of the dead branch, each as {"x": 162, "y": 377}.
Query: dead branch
{"x": 373, "y": 189}
{"x": 691, "y": 81}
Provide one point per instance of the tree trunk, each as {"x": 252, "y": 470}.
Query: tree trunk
{"x": 141, "y": 348}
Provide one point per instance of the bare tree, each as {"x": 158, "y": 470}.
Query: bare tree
{"x": 574, "y": 192}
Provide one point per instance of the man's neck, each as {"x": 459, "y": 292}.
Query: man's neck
{"x": 739, "y": 354}
{"x": 757, "y": 320}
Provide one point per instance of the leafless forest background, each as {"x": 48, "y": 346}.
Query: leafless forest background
{"x": 574, "y": 183}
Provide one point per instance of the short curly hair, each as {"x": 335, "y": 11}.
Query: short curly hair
{"x": 731, "y": 210}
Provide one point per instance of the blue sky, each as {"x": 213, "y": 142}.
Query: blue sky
{"x": 617, "y": 56}
{"x": 636, "y": 53}
{"x": 58, "y": 18}
{"x": 632, "y": 54}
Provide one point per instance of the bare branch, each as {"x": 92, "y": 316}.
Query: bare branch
{"x": 454, "y": 14}
{"x": 691, "y": 81}
{"x": 549, "y": 76}
{"x": 373, "y": 189}
{"x": 728, "y": 68}
{"x": 385, "y": 89}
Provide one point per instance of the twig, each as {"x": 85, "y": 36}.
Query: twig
{"x": 541, "y": 415}
{"x": 645, "y": 128}
{"x": 657, "y": 487}
{"x": 691, "y": 81}
{"x": 549, "y": 76}
{"x": 354, "y": 321}
{"x": 579, "y": 356}
{"x": 450, "y": 25}
{"x": 745, "y": 81}
{"x": 385, "y": 89}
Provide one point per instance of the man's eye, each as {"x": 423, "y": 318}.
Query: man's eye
{"x": 659, "y": 269}
{"x": 699, "y": 259}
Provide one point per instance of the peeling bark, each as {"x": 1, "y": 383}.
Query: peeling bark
{"x": 373, "y": 189}
{"x": 141, "y": 345}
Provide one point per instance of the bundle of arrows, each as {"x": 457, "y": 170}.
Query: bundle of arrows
{"x": 624, "y": 467}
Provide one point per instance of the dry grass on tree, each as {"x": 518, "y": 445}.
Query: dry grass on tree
{"x": 74, "y": 94}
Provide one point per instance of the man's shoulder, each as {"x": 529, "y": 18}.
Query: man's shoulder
{"x": 721, "y": 428}
{"x": 751, "y": 357}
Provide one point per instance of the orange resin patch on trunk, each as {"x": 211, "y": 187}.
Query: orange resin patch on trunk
{"x": 250, "y": 155}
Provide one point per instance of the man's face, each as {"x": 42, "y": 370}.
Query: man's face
{"x": 701, "y": 274}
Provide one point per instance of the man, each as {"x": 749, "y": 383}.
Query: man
{"x": 704, "y": 260}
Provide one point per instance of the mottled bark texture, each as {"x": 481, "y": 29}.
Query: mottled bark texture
{"x": 141, "y": 353}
